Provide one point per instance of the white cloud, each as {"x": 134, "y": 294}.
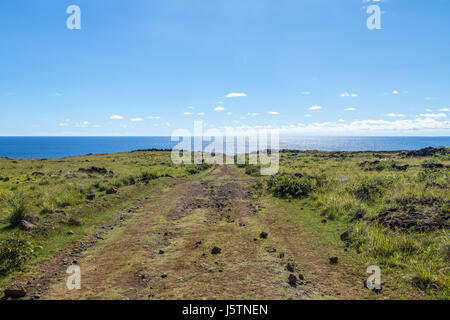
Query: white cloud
{"x": 306, "y": 93}
{"x": 137, "y": 119}
{"x": 315, "y": 108}
{"x": 201, "y": 113}
{"x": 434, "y": 115}
{"x": 116, "y": 117}
{"x": 368, "y": 127}
{"x": 445, "y": 109}
{"x": 341, "y": 120}
{"x": 273, "y": 113}
{"x": 349, "y": 94}
{"x": 219, "y": 108}
{"x": 63, "y": 124}
{"x": 85, "y": 123}
{"x": 429, "y": 110}
{"x": 190, "y": 107}
{"x": 395, "y": 92}
{"x": 308, "y": 116}
{"x": 188, "y": 113}
{"x": 154, "y": 118}
{"x": 252, "y": 114}
{"x": 350, "y": 109}
{"x": 236, "y": 95}
{"x": 396, "y": 115}
{"x": 57, "y": 94}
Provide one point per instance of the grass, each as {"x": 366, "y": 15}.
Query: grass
{"x": 354, "y": 188}
{"x": 346, "y": 189}
{"x": 53, "y": 194}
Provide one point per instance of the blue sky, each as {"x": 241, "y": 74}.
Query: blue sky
{"x": 149, "y": 67}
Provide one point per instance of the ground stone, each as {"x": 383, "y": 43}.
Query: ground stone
{"x": 263, "y": 235}
{"x": 26, "y": 226}
{"x": 15, "y": 292}
{"x": 334, "y": 260}
{"x": 292, "y": 280}
{"x": 216, "y": 250}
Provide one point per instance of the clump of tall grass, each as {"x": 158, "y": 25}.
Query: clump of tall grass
{"x": 72, "y": 195}
{"x": 146, "y": 176}
{"x": 336, "y": 205}
{"x": 424, "y": 256}
{"x": 18, "y": 205}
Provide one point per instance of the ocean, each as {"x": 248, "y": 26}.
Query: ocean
{"x": 59, "y": 147}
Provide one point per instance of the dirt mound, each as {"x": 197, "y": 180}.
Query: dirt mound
{"x": 234, "y": 191}
{"x": 414, "y": 219}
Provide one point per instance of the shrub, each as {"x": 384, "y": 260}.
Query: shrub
{"x": 147, "y": 176}
{"x": 289, "y": 186}
{"x": 18, "y": 205}
{"x": 253, "y": 170}
{"x": 439, "y": 177}
{"x": 258, "y": 188}
{"x": 13, "y": 253}
{"x": 192, "y": 170}
{"x": 368, "y": 189}
{"x": 197, "y": 168}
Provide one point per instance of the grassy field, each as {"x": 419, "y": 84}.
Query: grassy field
{"x": 395, "y": 206}
{"x": 389, "y": 209}
{"x": 64, "y": 199}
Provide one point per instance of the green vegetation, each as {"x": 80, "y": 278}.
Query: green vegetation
{"x": 14, "y": 252}
{"x": 63, "y": 199}
{"x": 395, "y": 205}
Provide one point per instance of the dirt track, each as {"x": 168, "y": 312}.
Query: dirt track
{"x": 162, "y": 249}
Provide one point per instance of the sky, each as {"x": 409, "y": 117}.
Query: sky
{"x": 149, "y": 67}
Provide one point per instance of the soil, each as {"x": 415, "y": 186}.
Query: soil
{"x": 416, "y": 215}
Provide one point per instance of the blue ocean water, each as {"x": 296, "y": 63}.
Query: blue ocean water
{"x": 58, "y": 147}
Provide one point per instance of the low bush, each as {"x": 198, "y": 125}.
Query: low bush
{"x": 253, "y": 170}
{"x": 14, "y": 252}
{"x": 369, "y": 189}
{"x": 290, "y": 186}
{"x": 197, "y": 168}
{"x": 147, "y": 176}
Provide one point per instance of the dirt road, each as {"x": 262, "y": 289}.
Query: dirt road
{"x": 204, "y": 239}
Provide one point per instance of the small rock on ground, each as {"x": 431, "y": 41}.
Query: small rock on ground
{"x": 216, "y": 250}
{"x": 334, "y": 260}
{"x": 15, "y": 292}
{"x": 263, "y": 235}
